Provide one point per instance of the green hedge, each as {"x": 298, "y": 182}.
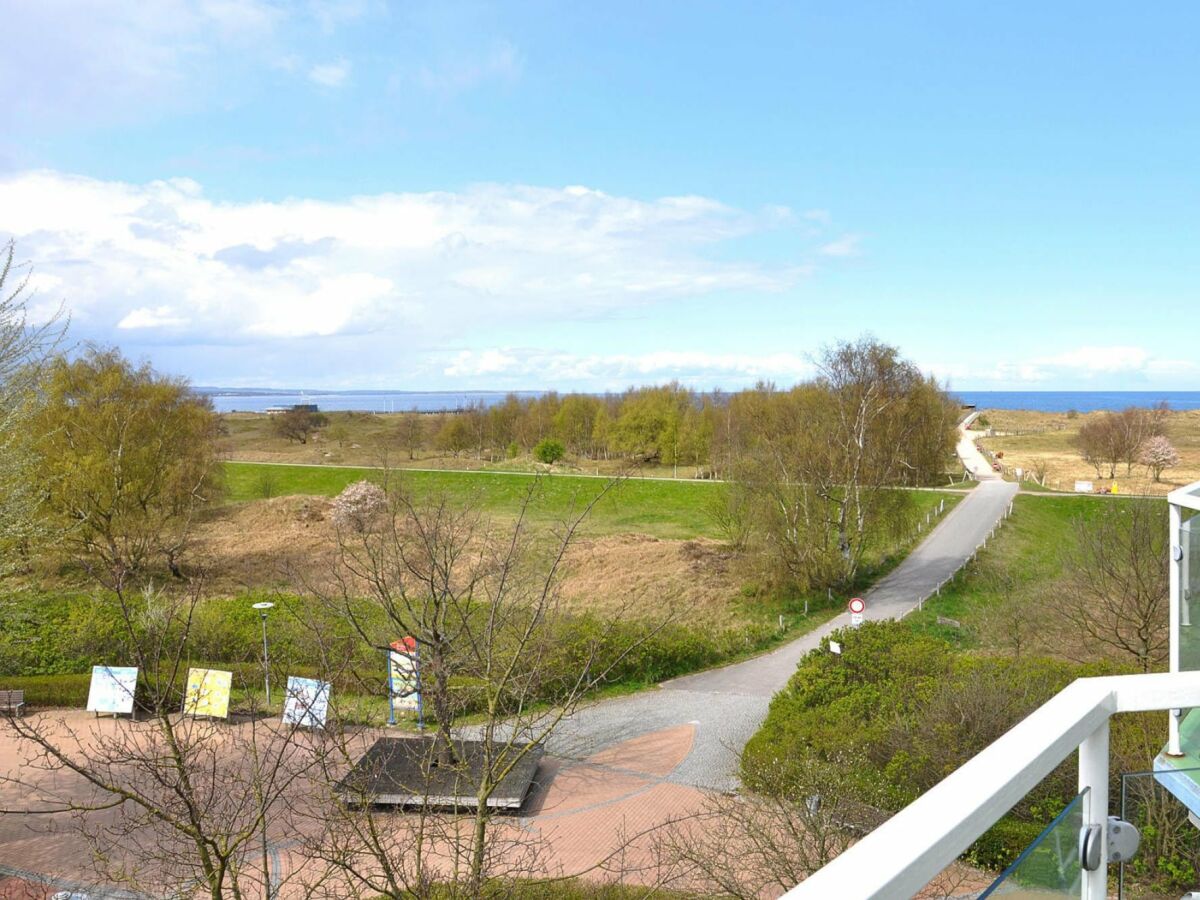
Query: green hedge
{"x": 902, "y": 709}
{"x": 50, "y": 690}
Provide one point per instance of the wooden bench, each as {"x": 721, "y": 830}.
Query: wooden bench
{"x": 12, "y": 702}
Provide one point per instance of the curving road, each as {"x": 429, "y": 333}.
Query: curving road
{"x": 727, "y": 705}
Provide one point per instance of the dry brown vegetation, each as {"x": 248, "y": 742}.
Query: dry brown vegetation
{"x": 266, "y": 543}
{"x": 1048, "y": 439}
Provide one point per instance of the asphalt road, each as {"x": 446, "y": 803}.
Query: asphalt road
{"x": 728, "y": 704}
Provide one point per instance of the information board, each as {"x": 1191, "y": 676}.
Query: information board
{"x": 306, "y": 703}
{"x": 207, "y": 693}
{"x": 403, "y": 682}
{"x": 112, "y": 689}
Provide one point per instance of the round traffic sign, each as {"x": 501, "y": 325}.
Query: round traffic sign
{"x": 857, "y": 605}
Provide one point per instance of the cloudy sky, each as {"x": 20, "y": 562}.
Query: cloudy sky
{"x": 359, "y": 194}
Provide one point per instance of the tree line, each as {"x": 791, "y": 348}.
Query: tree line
{"x": 674, "y": 425}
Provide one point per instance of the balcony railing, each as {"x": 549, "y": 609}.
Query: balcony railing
{"x": 911, "y": 848}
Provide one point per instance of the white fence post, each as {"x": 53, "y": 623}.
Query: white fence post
{"x": 1093, "y": 775}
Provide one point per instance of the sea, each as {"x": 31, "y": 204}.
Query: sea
{"x": 255, "y": 400}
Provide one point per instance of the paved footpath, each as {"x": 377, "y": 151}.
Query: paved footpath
{"x": 727, "y": 705}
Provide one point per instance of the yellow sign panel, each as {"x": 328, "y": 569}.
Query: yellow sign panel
{"x": 207, "y": 693}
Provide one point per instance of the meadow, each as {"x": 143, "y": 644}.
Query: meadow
{"x": 663, "y": 508}
{"x": 1046, "y": 441}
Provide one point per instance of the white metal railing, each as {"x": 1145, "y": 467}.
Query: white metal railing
{"x": 901, "y": 856}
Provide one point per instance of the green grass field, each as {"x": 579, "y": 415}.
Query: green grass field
{"x": 1020, "y": 566}
{"x": 667, "y": 509}
{"x": 663, "y": 508}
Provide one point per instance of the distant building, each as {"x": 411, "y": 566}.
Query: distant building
{"x": 298, "y": 407}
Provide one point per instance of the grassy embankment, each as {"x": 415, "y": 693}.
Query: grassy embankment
{"x": 1003, "y": 596}
{"x": 54, "y": 637}
{"x": 666, "y": 509}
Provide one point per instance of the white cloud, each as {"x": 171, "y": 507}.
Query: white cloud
{"x": 847, "y": 245}
{"x": 71, "y": 61}
{"x": 1085, "y": 365}
{"x": 159, "y": 317}
{"x": 540, "y": 367}
{"x": 330, "y": 75}
{"x": 428, "y": 266}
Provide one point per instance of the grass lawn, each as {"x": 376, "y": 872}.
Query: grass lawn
{"x": 666, "y": 509}
{"x": 662, "y": 508}
{"x": 1021, "y": 567}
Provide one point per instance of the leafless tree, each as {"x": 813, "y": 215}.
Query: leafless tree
{"x": 755, "y": 845}
{"x": 1011, "y": 622}
{"x": 169, "y": 803}
{"x": 1116, "y": 581}
{"x": 493, "y": 639}
{"x": 412, "y": 432}
{"x": 1115, "y": 437}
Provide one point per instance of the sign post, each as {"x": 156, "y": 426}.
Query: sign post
{"x": 112, "y": 689}
{"x": 857, "y": 607}
{"x": 404, "y": 680}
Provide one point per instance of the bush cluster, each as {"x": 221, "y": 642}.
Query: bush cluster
{"x": 49, "y": 643}
{"x": 910, "y": 710}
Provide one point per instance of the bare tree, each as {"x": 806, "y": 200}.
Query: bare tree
{"x": 1011, "y": 622}
{"x": 756, "y": 845}
{"x": 1116, "y": 589}
{"x": 171, "y": 803}
{"x": 412, "y": 432}
{"x": 1116, "y": 437}
{"x": 493, "y": 639}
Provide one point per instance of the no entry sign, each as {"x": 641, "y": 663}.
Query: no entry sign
{"x": 857, "y": 605}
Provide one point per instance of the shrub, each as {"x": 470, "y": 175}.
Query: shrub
{"x": 50, "y": 690}
{"x": 359, "y": 506}
{"x": 549, "y": 451}
{"x": 909, "y": 710}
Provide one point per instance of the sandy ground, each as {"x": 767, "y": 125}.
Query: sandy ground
{"x": 1047, "y": 440}
{"x": 268, "y": 543}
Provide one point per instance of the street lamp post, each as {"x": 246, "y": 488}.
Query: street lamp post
{"x": 262, "y": 613}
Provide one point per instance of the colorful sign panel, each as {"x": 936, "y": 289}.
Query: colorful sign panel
{"x": 207, "y": 693}
{"x": 112, "y": 689}
{"x": 306, "y": 703}
{"x": 402, "y": 675}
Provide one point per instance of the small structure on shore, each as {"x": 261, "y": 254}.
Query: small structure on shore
{"x": 296, "y": 407}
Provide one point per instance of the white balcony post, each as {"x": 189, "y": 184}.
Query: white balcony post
{"x": 1175, "y": 601}
{"x": 1093, "y": 777}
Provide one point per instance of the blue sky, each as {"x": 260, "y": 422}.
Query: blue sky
{"x": 585, "y": 196}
